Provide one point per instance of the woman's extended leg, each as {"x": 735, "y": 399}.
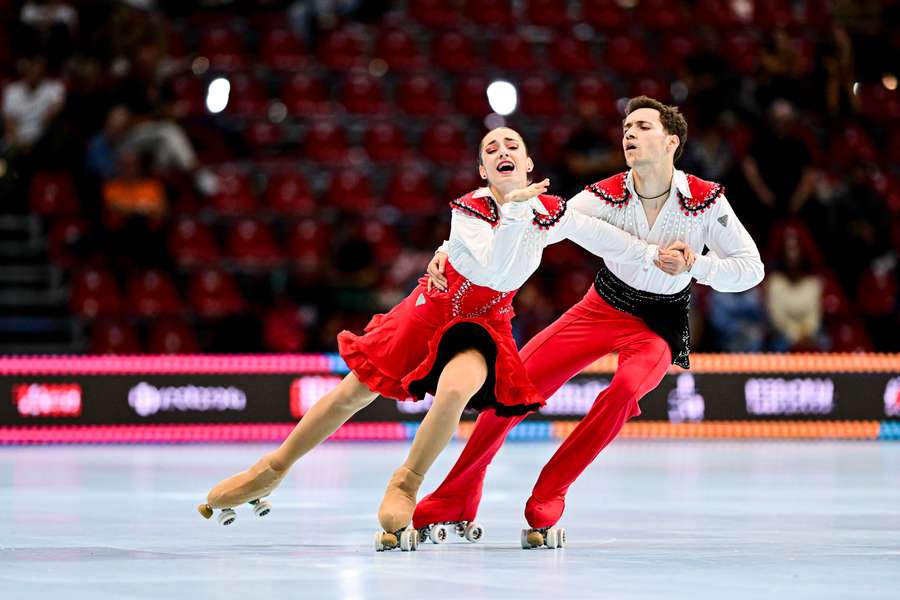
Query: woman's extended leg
{"x": 460, "y": 379}
{"x": 323, "y": 419}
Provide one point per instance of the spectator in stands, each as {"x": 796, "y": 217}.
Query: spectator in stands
{"x": 587, "y": 155}
{"x": 778, "y": 168}
{"x": 30, "y": 104}
{"x": 794, "y": 301}
{"x": 48, "y": 28}
{"x": 710, "y": 154}
{"x": 102, "y": 149}
{"x": 737, "y": 321}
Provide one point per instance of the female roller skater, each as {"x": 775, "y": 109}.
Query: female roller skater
{"x": 455, "y": 344}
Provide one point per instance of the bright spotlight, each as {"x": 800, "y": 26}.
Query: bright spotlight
{"x": 502, "y": 97}
{"x": 217, "y": 95}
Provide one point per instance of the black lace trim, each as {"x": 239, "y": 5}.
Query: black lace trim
{"x": 691, "y": 207}
{"x": 598, "y": 191}
{"x": 548, "y": 221}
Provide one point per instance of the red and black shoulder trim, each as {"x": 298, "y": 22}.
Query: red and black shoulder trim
{"x": 483, "y": 208}
{"x": 703, "y": 195}
{"x": 555, "y": 205}
{"x": 612, "y": 190}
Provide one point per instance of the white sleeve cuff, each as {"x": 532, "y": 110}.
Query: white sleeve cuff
{"x": 703, "y": 268}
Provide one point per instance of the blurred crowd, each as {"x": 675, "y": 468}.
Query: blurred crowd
{"x": 277, "y": 222}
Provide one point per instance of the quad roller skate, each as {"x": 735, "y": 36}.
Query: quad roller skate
{"x": 395, "y": 512}
{"x": 549, "y": 537}
{"x": 437, "y": 533}
{"x": 247, "y": 487}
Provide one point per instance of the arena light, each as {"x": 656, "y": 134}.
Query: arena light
{"x": 503, "y": 97}
{"x": 217, "y": 95}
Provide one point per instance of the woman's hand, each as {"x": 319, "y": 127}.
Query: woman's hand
{"x": 435, "y": 272}
{"x": 527, "y": 193}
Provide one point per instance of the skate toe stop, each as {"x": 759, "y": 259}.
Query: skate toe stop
{"x": 205, "y": 510}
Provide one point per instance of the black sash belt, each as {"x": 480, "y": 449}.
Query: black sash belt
{"x": 665, "y": 314}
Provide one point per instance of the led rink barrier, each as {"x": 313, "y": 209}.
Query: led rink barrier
{"x": 253, "y": 398}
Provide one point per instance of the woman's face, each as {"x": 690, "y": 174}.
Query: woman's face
{"x": 504, "y": 159}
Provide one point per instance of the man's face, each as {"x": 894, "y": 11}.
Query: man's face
{"x": 644, "y": 140}
{"x": 504, "y": 159}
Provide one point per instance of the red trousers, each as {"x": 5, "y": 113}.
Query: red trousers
{"x": 587, "y": 331}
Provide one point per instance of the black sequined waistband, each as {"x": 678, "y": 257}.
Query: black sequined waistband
{"x": 665, "y": 314}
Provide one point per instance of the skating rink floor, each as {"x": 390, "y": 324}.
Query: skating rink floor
{"x": 655, "y": 519}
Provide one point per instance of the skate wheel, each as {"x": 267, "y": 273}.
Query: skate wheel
{"x": 438, "y": 534}
{"x": 227, "y": 516}
{"x": 379, "y": 546}
{"x": 388, "y": 540}
{"x": 474, "y": 532}
{"x": 551, "y": 539}
{"x": 561, "y": 537}
{"x": 205, "y": 510}
{"x": 261, "y": 508}
{"x": 409, "y": 540}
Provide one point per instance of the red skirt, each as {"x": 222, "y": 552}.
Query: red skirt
{"x": 402, "y": 353}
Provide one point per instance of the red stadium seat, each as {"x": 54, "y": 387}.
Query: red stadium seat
{"x": 876, "y": 295}
{"x": 592, "y": 89}
{"x": 716, "y": 13}
{"x": 95, "y": 294}
{"x": 52, "y": 194}
{"x": 192, "y": 243}
{"x": 605, "y": 15}
{"x": 461, "y": 182}
{"x": 234, "y": 195}
{"x": 383, "y": 240}
{"x": 289, "y": 194}
{"x": 420, "y": 95}
{"x": 510, "y": 52}
{"x": 879, "y": 102}
{"x": 470, "y": 96}
{"x": 440, "y": 14}
{"x": 676, "y": 48}
{"x": 350, "y": 191}
{"x": 325, "y": 143}
{"x": 849, "y": 335}
{"x": 399, "y": 50}
{"x": 223, "y": 47}
{"x": 152, "y": 294}
{"x": 741, "y": 51}
{"x": 263, "y": 136}
{"x": 247, "y": 97}
{"x": 410, "y": 190}
{"x": 213, "y": 293}
{"x": 385, "y": 142}
{"x": 64, "y": 237}
{"x": 305, "y": 95}
{"x": 772, "y": 14}
{"x": 627, "y": 55}
{"x": 547, "y": 13}
{"x": 444, "y": 143}
{"x": 250, "y": 242}
{"x": 279, "y": 49}
{"x": 190, "y": 96}
{"x": 114, "y": 337}
{"x": 540, "y": 97}
{"x": 489, "y": 13}
{"x": 851, "y": 145}
{"x": 660, "y": 15}
{"x": 283, "y": 329}
{"x": 307, "y": 245}
{"x": 571, "y": 55}
{"x": 552, "y": 140}
{"x": 341, "y": 50}
{"x": 454, "y": 52}
{"x": 648, "y": 86}
{"x": 362, "y": 94}
{"x": 171, "y": 336}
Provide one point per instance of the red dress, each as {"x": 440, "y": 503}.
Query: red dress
{"x": 403, "y": 352}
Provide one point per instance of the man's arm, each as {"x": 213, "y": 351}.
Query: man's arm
{"x": 733, "y": 263}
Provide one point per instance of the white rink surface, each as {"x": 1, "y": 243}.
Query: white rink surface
{"x": 659, "y": 519}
